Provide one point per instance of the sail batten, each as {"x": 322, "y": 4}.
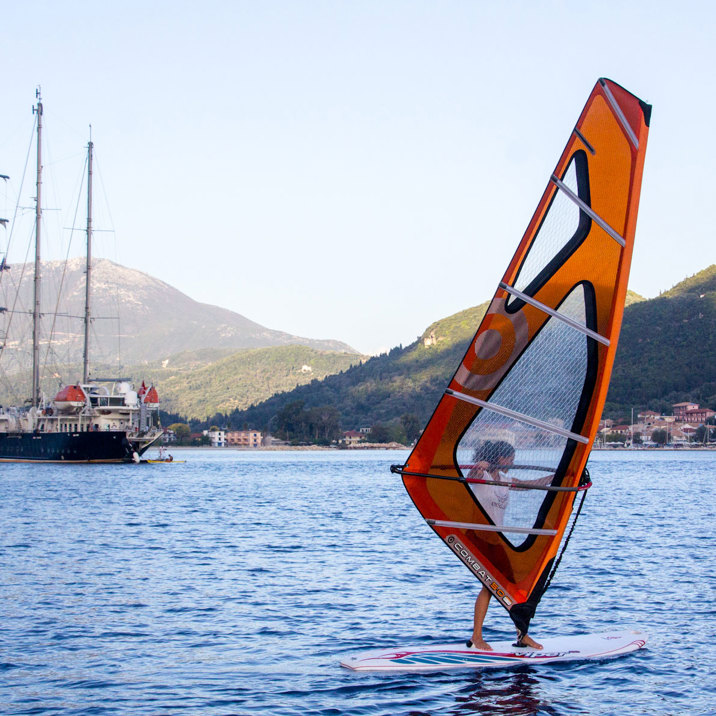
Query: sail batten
{"x": 528, "y": 393}
{"x": 620, "y": 116}
{"x": 587, "y": 210}
{"x": 556, "y": 314}
{"x": 585, "y": 141}
{"x": 490, "y": 528}
{"x": 536, "y": 422}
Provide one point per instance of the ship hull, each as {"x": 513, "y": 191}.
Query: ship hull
{"x": 106, "y": 446}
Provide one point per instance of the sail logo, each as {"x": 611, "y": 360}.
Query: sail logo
{"x": 495, "y": 349}
{"x": 480, "y": 572}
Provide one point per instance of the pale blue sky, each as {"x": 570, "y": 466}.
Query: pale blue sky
{"x": 351, "y": 170}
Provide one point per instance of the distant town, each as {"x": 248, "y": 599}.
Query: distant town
{"x": 218, "y": 438}
{"x": 689, "y": 425}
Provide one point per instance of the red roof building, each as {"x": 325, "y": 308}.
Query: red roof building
{"x": 698, "y": 415}
{"x": 680, "y": 409}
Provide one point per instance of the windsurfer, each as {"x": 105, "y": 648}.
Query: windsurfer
{"x": 492, "y": 460}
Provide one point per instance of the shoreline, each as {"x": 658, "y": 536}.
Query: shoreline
{"x": 701, "y": 448}
{"x": 279, "y": 448}
{"x": 398, "y": 446}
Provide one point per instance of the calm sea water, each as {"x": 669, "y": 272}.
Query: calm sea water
{"x": 234, "y": 583}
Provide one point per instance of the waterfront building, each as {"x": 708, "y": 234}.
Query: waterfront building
{"x": 680, "y": 409}
{"x": 244, "y": 438}
{"x": 351, "y": 437}
{"x": 217, "y": 438}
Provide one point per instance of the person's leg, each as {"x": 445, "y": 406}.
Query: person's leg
{"x": 481, "y": 604}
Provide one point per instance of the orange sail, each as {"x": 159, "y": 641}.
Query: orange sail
{"x": 535, "y": 376}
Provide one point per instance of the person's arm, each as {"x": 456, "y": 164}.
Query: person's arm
{"x": 540, "y": 481}
{"x": 478, "y": 469}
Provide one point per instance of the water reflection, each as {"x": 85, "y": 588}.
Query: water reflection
{"x": 516, "y": 692}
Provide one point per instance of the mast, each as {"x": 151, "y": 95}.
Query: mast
{"x": 38, "y": 223}
{"x": 88, "y": 282}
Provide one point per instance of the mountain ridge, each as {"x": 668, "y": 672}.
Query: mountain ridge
{"x": 156, "y": 319}
{"x": 202, "y": 385}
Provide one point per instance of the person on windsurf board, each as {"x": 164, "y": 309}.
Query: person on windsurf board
{"x": 492, "y": 460}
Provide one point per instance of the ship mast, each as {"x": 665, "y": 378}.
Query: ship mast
{"x": 38, "y": 223}
{"x": 88, "y": 282}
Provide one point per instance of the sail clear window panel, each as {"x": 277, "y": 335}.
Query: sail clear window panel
{"x": 547, "y": 380}
{"x": 558, "y": 227}
{"x": 546, "y": 383}
{"x": 538, "y": 453}
{"x": 574, "y": 306}
{"x": 570, "y": 177}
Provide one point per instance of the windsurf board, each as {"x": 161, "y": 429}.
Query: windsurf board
{"x": 437, "y": 657}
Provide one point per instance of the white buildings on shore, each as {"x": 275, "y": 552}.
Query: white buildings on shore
{"x": 234, "y": 438}
{"x": 679, "y": 428}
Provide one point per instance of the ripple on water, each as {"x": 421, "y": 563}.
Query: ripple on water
{"x": 234, "y": 583}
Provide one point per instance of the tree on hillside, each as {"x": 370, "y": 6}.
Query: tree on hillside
{"x": 181, "y": 430}
{"x": 411, "y": 425}
{"x": 387, "y": 433}
{"x": 323, "y": 424}
{"x": 659, "y": 437}
{"x": 704, "y": 434}
{"x": 319, "y": 425}
{"x": 379, "y": 433}
{"x": 290, "y": 420}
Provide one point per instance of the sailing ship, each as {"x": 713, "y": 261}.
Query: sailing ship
{"x": 95, "y": 420}
{"x": 535, "y": 375}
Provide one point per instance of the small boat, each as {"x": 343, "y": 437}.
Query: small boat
{"x": 94, "y": 420}
{"x": 163, "y": 458}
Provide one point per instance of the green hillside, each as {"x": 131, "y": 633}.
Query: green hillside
{"x": 667, "y": 349}
{"x": 404, "y": 381}
{"x": 633, "y": 297}
{"x": 700, "y": 283}
{"x": 667, "y": 353}
{"x": 199, "y": 384}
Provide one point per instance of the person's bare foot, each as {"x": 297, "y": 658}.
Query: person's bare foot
{"x": 480, "y": 645}
{"x": 529, "y": 642}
